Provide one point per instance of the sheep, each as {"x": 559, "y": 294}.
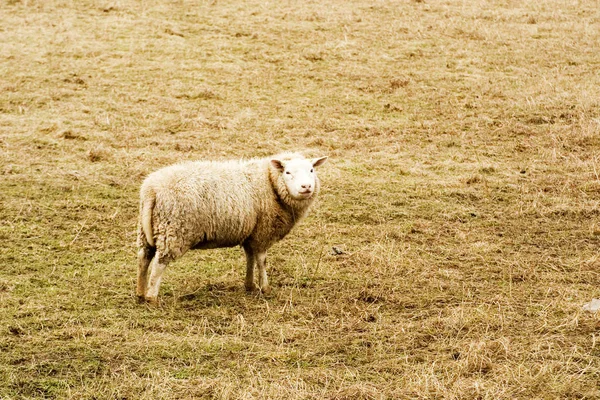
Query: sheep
{"x": 210, "y": 204}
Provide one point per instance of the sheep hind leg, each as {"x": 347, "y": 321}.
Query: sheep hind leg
{"x": 250, "y": 262}
{"x": 263, "y": 281}
{"x": 145, "y": 255}
{"x": 157, "y": 268}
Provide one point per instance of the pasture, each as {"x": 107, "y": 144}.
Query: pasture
{"x": 461, "y": 196}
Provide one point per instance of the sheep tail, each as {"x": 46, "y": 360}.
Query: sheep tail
{"x": 147, "y": 206}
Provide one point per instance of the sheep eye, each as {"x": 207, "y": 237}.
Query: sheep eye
{"x": 288, "y": 173}
{"x": 312, "y": 170}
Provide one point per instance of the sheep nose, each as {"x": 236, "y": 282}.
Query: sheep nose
{"x": 306, "y": 186}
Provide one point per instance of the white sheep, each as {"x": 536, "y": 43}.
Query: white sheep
{"x": 208, "y": 204}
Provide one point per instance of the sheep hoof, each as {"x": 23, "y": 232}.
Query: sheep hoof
{"x": 266, "y": 290}
{"x": 141, "y": 298}
{"x": 251, "y": 288}
{"x": 153, "y": 301}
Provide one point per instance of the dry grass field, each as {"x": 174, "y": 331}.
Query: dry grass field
{"x": 463, "y": 190}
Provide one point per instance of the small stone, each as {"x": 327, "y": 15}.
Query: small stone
{"x": 592, "y": 306}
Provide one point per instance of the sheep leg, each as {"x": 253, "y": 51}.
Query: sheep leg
{"x": 263, "y": 281}
{"x": 145, "y": 255}
{"x": 157, "y": 267}
{"x": 250, "y": 261}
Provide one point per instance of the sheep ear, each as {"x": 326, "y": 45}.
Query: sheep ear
{"x": 278, "y": 165}
{"x": 318, "y": 161}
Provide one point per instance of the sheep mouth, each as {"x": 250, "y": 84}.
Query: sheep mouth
{"x": 305, "y": 194}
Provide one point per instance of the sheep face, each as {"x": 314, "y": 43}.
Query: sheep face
{"x": 299, "y": 176}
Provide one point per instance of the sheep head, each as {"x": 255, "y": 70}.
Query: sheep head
{"x": 298, "y": 175}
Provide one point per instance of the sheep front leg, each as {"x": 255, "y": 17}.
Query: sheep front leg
{"x": 263, "y": 281}
{"x": 157, "y": 267}
{"x": 250, "y": 262}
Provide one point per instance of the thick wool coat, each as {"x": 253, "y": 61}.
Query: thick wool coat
{"x": 200, "y": 205}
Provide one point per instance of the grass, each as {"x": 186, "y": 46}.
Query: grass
{"x": 462, "y": 195}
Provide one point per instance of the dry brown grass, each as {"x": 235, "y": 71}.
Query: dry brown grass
{"x": 463, "y": 193}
